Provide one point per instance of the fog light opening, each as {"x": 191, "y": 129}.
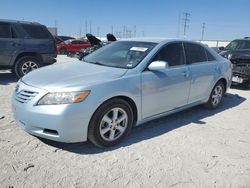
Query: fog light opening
{"x": 50, "y": 131}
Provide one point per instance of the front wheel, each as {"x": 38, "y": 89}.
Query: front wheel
{"x": 111, "y": 123}
{"x": 216, "y": 96}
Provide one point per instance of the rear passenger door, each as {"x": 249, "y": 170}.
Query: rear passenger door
{"x": 9, "y": 43}
{"x": 203, "y": 67}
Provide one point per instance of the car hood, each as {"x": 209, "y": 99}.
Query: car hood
{"x": 71, "y": 75}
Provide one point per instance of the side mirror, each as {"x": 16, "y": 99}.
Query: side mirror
{"x": 221, "y": 48}
{"x": 158, "y": 65}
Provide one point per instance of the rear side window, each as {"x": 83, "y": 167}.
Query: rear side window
{"x": 195, "y": 53}
{"x": 82, "y": 42}
{"x": 247, "y": 45}
{"x": 36, "y": 31}
{"x": 75, "y": 42}
{"x": 5, "y": 31}
{"x": 210, "y": 57}
{"x": 172, "y": 53}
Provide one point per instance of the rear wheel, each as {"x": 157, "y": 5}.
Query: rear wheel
{"x": 111, "y": 123}
{"x": 63, "y": 51}
{"x": 26, "y": 64}
{"x": 216, "y": 96}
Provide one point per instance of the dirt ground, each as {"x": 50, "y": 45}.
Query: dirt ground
{"x": 193, "y": 148}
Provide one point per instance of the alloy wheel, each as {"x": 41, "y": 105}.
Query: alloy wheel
{"x": 28, "y": 66}
{"x": 113, "y": 124}
{"x": 217, "y": 95}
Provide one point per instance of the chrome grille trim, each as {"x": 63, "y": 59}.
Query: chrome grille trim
{"x": 25, "y": 96}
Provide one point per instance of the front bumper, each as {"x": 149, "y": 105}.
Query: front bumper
{"x": 241, "y": 73}
{"x": 63, "y": 123}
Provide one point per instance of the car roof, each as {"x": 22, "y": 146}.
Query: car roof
{"x": 159, "y": 40}
{"x": 18, "y": 21}
{"x": 243, "y": 39}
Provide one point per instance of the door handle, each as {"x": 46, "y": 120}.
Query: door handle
{"x": 15, "y": 44}
{"x": 185, "y": 74}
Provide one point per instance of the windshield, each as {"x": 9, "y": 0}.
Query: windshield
{"x": 121, "y": 54}
{"x": 235, "y": 45}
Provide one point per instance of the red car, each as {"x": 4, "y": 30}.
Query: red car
{"x": 72, "y": 46}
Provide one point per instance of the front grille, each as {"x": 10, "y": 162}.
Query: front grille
{"x": 25, "y": 96}
{"x": 242, "y": 68}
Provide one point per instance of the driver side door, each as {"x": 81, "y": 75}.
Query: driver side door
{"x": 166, "y": 89}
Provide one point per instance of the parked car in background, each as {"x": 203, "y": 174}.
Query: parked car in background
{"x": 25, "y": 46}
{"x": 120, "y": 85}
{"x": 72, "y": 46}
{"x": 95, "y": 44}
{"x": 238, "y": 52}
{"x": 60, "y": 39}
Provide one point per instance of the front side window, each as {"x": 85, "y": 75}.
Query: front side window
{"x": 121, "y": 54}
{"x": 36, "y": 31}
{"x": 172, "y": 53}
{"x": 5, "y": 31}
{"x": 195, "y": 53}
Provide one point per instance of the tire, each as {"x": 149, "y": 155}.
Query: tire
{"x": 26, "y": 64}
{"x": 63, "y": 51}
{"x": 216, "y": 96}
{"x": 106, "y": 128}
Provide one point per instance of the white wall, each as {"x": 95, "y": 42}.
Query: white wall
{"x": 215, "y": 43}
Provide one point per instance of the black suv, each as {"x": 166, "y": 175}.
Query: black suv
{"x": 25, "y": 46}
{"x": 238, "y": 52}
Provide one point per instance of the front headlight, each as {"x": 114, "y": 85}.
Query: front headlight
{"x": 63, "y": 98}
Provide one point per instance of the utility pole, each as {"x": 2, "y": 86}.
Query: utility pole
{"x": 98, "y": 31}
{"x": 203, "y": 30}
{"x": 178, "y": 27}
{"x": 112, "y": 29}
{"x": 90, "y": 27}
{"x": 86, "y": 27}
{"x": 186, "y": 23}
{"x": 80, "y": 33}
{"x": 135, "y": 31}
{"x": 124, "y": 31}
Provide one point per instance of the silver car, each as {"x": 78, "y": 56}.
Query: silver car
{"x": 117, "y": 87}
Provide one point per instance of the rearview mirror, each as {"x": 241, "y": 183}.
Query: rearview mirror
{"x": 221, "y": 48}
{"x": 158, "y": 65}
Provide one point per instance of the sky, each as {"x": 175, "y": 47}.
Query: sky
{"x": 224, "y": 19}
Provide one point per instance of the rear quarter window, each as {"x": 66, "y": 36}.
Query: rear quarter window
{"x": 36, "y": 31}
{"x": 5, "y": 31}
{"x": 195, "y": 53}
{"x": 210, "y": 57}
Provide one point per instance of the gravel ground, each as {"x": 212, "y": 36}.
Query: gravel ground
{"x": 193, "y": 148}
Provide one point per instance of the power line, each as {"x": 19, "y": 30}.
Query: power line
{"x": 186, "y": 23}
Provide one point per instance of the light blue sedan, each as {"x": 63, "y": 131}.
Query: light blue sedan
{"x": 117, "y": 87}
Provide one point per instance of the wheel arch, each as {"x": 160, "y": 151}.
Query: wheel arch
{"x": 27, "y": 54}
{"x": 224, "y": 81}
{"x": 129, "y": 100}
